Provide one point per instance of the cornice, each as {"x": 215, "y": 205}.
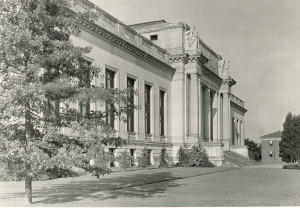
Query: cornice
{"x": 230, "y": 82}
{"x": 102, "y": 33}
{"x": 238, "y": 107}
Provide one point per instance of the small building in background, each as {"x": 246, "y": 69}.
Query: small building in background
{"x": 270, "y": 147}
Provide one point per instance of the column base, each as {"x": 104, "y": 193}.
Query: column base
{"x": 215, "y": 152}
{"x": 226, "y": 143}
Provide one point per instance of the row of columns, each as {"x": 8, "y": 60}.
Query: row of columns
{"x": 237, "y": 132}
{"x": 204, "y": 116}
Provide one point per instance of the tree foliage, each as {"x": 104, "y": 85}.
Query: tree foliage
{"x": 289, "y": 146}
{"x": 254, "y": 150}
{"x": 43, "y": 79}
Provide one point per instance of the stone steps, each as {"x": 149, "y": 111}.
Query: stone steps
{"x": 235, "y": 160}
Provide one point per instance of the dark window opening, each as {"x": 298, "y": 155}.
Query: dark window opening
{"x": 112, "y": 159}
{"x": 132, "y": 151}
{"x": 147, "y": 109}
{"x": 109, "y": 107}
{"x": 85, "y": 81}
{"x": 130, "y": 114}
{"x": 162, "y": 112}
{"x": 154, "y": 37}
{"x": 84, "y": 107}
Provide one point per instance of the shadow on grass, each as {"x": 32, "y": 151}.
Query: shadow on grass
{"x": 137, "y": 186}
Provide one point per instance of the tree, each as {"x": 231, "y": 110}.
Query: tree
{"x": 289, "y": 146}
{"x": 254, "y": 150}
{"x": 42, "y": 76}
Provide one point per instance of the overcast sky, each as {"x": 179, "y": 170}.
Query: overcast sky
{"x": 261, "y": 38}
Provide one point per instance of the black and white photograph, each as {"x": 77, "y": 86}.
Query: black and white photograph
{"x": 150, "y": 103}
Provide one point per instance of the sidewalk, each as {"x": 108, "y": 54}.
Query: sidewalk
{"x": 66, "y": 191}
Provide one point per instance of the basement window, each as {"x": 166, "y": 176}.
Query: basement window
{"x": 153, "y": 37}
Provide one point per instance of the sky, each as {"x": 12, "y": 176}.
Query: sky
{"x": 260, "y": 38}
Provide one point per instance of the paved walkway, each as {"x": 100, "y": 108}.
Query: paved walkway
{"x": 165, "y": 187}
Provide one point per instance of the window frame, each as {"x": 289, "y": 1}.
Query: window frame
{"x": 87, "y": 103}
{"x": 162, "y": 112}
{"x": 110, "y": 118}
{"x": 131, "y": 120}
{"x": 147, "y": 108}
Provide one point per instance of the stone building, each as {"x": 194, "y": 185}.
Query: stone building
{"x": 270, "y": 147}
{"x": 184, "y": 87}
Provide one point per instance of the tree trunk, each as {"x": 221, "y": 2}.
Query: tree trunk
{"x": 28, "y": 189}
{"x": 28, "y": 178}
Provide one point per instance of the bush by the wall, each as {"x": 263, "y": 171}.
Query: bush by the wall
{"x": 294, "y": 166}
{"x": 163, "y": 158}
{"x": 125, "y": 160}
{"x": 144, "y": 160}
{"x": 196, "y": 156}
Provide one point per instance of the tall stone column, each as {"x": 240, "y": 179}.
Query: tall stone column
{"x": 200, "y": 102}
{"x": 235, "y": 132}
{"x": 207, "y": 115}
{"x": 194, "y": 109}
{"x": 239, "y": 132}
{"x": 219, "y": 116}
{"x": 226, "y": 118}
{"x": 215, "y": 114}
{"x": 242, "y": 133}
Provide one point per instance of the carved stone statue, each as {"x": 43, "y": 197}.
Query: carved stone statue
{"x": 223, "y": 66}
{"x": 192, "y": 38}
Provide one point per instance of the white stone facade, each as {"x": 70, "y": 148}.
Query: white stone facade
{"x": 195, "y": 82}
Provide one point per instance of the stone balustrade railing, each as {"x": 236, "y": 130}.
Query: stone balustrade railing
{"x": 236, "y": 100}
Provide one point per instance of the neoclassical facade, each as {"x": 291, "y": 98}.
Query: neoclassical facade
{"x": 184, "y": 87}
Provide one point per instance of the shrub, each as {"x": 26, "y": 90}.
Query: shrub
{"x": 183, "y": 156}
{"x": 125, "y": 160}
{"x": 144, "y": 160}
{"x": 163, "y": 158}
{"x": 294, "y": 166}
{"x": 196, "y": 156}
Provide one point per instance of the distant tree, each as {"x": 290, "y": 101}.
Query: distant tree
{"x": 254, "y": 150}
{"x": 289, "y": 146}
{"x": 41, "y": 75}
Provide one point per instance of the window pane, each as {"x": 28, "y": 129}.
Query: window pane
{"x": 162, "y": 112}
{"x": 109, "y": 83}
{"x": 130, "y": 97}
{"x": 147, "y": 109}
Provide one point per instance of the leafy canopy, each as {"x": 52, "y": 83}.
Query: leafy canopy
{"x": 289, "y": 146}
{"x": 44, "y": 78}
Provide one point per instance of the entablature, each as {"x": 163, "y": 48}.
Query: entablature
{"x": 112, "y": 30}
